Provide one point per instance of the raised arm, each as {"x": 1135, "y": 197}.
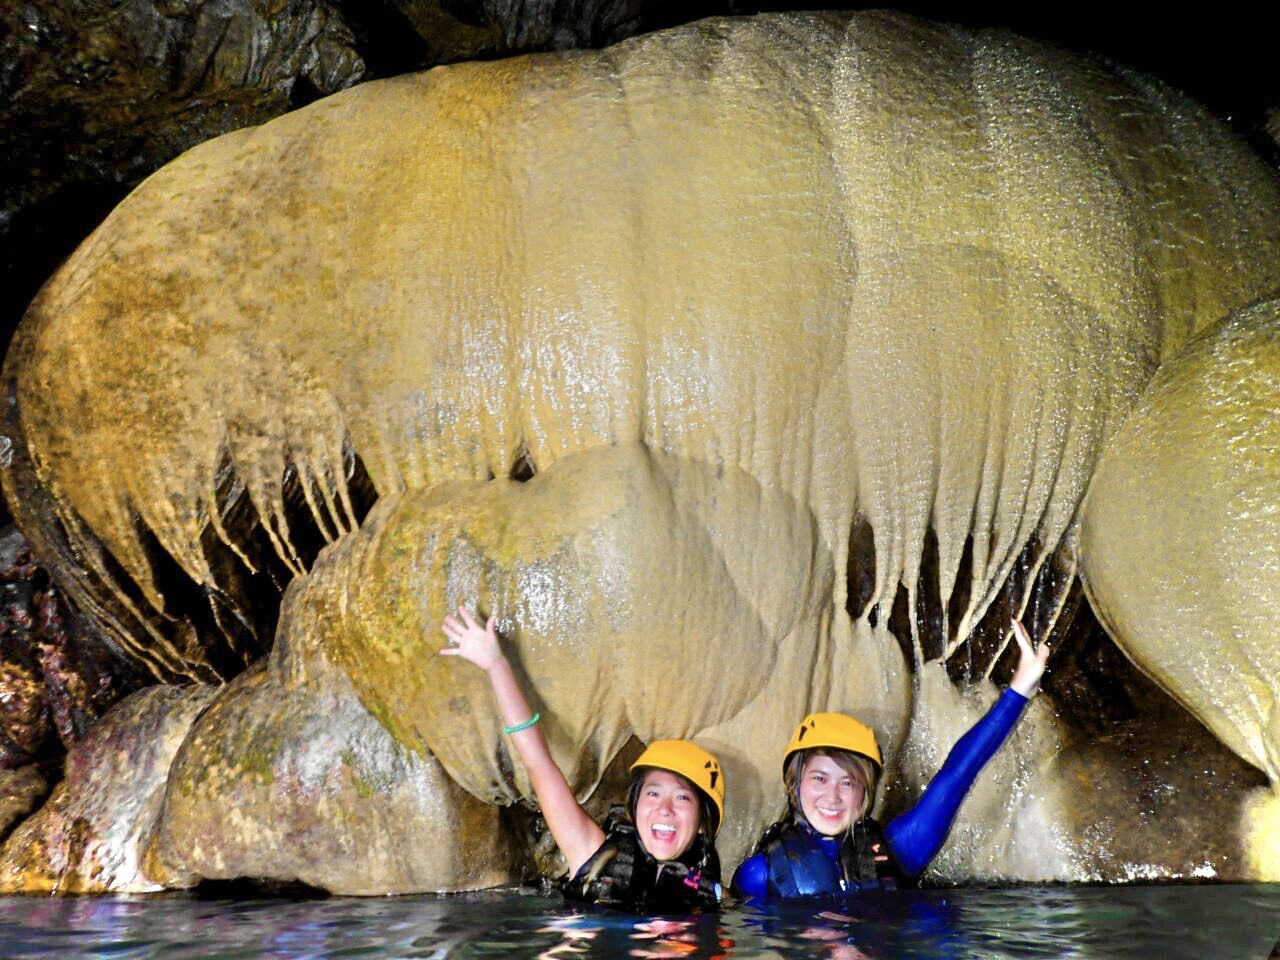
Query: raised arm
{"x": 917, "y": 835}
{"x": 1031, "y": 662}
{"x": 575, "y": 833}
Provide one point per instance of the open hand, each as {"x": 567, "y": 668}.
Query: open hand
{"x": 1031, "y": 662}
{"x": 469, "y": 640}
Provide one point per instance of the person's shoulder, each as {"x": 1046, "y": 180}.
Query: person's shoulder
{"x": 751, "y": 879}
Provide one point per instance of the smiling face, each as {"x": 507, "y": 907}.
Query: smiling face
{"x": 667, "y": 814}
{"x": 831, "y": 797}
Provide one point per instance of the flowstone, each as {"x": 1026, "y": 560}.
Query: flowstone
{"x": 90, "y": 835}
{"x": 1179, "y": 535}
{"x": 287, "y": 779}
{"x": 749, "y": 368}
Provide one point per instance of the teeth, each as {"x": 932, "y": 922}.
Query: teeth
{"x": 664, "y": 829}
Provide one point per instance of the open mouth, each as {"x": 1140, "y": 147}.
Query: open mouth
{"x": 663, "y": 832}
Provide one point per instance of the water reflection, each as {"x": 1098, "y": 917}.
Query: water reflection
{"x": 1028, "y": 922}
{"x": 602, "y": 933}
{"x": 863, "y": 928}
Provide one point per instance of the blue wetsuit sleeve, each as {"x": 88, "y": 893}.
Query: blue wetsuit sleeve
{"x": 917, "y": 835}
{"x": 751, "y": 879}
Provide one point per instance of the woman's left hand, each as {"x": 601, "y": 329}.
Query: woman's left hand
{"x": 1026, "y": 679}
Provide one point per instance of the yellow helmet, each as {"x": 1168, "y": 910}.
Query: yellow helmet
{"x": 834, "y": 730}
{"x": 691, "y": 762}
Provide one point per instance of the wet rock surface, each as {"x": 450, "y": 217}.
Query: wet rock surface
{"x": 1157, "y": 798}
{"x": 265, "y": 749}
{"x": 21, "y": 791}
{"x": 280, "y": 779}
{"x": 572, "y": 441}
{"x": 97, "y": 94}
{"x": 89, "y": 836}
{"x": 1197, "y": 612}
{"x": 57, "y": 676}
{"x": 676, "y": 606}
{"x": 165, "y": 257}
{"x": 288, "y": 779}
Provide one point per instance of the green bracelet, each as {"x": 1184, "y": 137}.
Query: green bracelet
{"x": 522, "y": 726}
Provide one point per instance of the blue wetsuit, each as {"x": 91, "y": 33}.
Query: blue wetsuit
{"x": 914, "y": 837}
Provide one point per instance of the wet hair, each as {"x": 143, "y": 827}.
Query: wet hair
{"x": 706, "y": 809}
{"x": 855, "y": 765}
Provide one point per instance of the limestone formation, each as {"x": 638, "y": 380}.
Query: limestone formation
{"x": 20, "y": 792}
{"x": 96, "y": 94}
{"x": 90, "y": 836}
{"x": 634, "y": 591}
{"x": 281, "y": 778}
{"x": 801, "y": 331}
{"x": 1179, "y": 534}
{"x": 287, "y": 779}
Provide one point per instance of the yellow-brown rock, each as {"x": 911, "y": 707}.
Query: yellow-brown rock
{"x": 1179, "y": 535}
{"x": 20, "y": 791}
{"x": 638, "y": 594}
{"x": 917, "y": 286}
{"x": 286, "y": 781}
{"x": 90, "y": 835}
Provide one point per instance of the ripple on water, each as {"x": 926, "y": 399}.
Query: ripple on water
{"x": 1164, "y": 922}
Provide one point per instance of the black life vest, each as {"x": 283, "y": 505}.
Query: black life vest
{"x": 623, "y": 874}
{"x": 799, "y": 866}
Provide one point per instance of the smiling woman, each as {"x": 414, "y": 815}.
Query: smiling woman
{"x": 832, "y": 788}
{"x": 826, "y": 845}
{"x": 666, "y": 813}
{"x": 656, "y": 855}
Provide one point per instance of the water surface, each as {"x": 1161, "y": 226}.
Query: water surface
{"x": 1161, "y": 922}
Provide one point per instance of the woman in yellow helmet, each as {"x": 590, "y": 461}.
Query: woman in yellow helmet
{"x": 826, "y": 845}
{"x": 657, "y": 855}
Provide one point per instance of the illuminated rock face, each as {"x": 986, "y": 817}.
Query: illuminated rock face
{"x": 90, "y": 836}
{"x": 288, "y": 778}
{"x": 1180, "y": 546}
{"x": 766, "y": 312}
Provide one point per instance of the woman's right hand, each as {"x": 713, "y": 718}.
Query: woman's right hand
{"x": 574, "y": 832}
{"x": 469, "y": 640}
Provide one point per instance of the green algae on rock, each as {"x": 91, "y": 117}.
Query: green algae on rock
{"x": 289, "y": 782}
